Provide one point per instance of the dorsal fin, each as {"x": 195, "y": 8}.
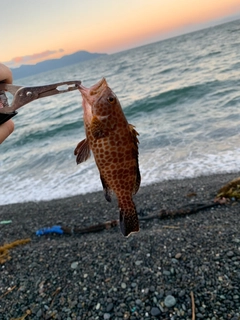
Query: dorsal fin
{"x": 82, "y": 151}
{"x": 134, "y": 135}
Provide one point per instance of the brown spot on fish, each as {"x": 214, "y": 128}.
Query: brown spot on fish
{"x": 114, "y": 144}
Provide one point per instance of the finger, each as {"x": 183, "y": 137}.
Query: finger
{"x": 5, "y": 74}
{"x": 6, "y": 129}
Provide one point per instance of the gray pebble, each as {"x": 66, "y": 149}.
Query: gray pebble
{"x": 145, "y": 291}
{"x": 106, "y": 316}
{"x": 123, "y": 285}
{"x": 230, "y": 254}
{"x": 172, "y": 270}
{"x": 175, "y": 261}
{"x": 182, "y": 293}
{"x": 109, "y": 307}
{"x": 155, "y": 312}
{"x": 169, "y": 301}
{"x": 74, "y": 265}
{"x": 152, "y": 289}
{"x": 98, "y": 306}
{"x": 184, "y": 307}
{"x": 39, "y": 313}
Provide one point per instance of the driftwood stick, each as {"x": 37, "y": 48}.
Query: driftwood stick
{"x": 7, "y": 292}
{"x": 28, "y": 312}
{"x": 193, "y": 305}
{"x": 94, "y": 228}
{"x": 163, "y": 214}
{"x": 55, "y": 293}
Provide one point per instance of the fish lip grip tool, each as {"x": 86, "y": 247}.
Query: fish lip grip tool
{"x": 23, "y": 95}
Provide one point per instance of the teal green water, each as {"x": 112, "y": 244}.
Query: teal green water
{"x": 182, "y": 94}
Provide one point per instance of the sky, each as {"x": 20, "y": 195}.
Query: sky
{"x": 33, "y": 31}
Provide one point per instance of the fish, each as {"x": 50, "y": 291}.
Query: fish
{"x": 114, "y": 144}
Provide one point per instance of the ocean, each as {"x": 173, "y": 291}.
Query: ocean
{"x": 182, "y": 94}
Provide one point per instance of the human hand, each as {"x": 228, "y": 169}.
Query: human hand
{"x": 6, "y": 128}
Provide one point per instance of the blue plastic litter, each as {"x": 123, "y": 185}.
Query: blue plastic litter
{"x": 54, "y": 229}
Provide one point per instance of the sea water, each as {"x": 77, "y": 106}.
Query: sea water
{"x": 182, "y": 94}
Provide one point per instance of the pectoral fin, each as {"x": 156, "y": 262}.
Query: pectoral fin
{"x": 99, "y": 128}
{"x": 82, "y": 151}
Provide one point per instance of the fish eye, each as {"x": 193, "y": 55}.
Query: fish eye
{"x": 111, "y": 99}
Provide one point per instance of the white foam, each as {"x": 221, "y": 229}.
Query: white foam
{"x": 155, "y": 167}
{"x": 159, "y": 167}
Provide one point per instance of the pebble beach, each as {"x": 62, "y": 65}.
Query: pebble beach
{"x": 180, "y": 268}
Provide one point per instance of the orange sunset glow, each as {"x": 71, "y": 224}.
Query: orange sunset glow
{"x": 53, "y": 29}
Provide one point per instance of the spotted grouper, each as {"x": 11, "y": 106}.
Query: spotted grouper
{"x": 114, "y": 144}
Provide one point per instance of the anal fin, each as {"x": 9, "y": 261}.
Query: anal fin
{"x": 135, "y": 142}
{"x": 138, "y": 180}
{"x": 106, "y": 189}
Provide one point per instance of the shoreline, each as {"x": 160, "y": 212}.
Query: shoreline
{"x": 222, "y": 177}
{"x": 106, "y": 276}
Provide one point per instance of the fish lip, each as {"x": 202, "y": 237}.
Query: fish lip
{"x": 88, "y": 93}
{"x": 85, "y": 94}
{"x": 84, "y": 91}
{"x": 96, "y": 88}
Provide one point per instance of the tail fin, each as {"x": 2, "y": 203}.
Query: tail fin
{"x": 128, "y": 218}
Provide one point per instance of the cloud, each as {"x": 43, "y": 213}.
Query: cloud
{"x": 31, "y": 59}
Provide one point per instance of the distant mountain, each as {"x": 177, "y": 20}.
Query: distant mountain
{"x": 29, "y": 70}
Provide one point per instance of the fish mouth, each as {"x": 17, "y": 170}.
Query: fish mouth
{"x": 98, "y": 87}
{"x": 93, "y": 90}
{"x": 90, "y": 95}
